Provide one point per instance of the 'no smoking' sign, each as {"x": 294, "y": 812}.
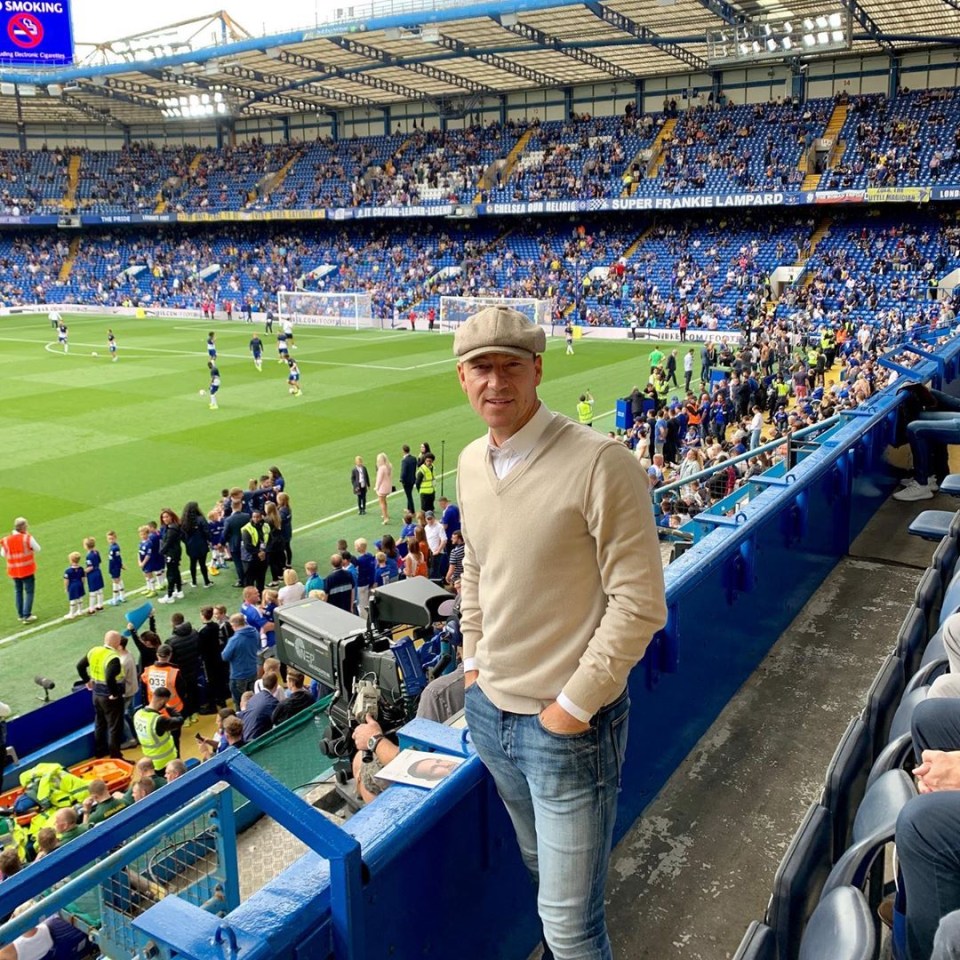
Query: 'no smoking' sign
{"x": 25, "y": 30}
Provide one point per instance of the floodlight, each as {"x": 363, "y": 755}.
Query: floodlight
{"x": 808, "y": 25}
{"x": 838, "y": 36}
{"x": 744, "y": 48}
{"x": 788, "y": 27}
{"x": 787, "y": 43}
{"x": 822, "y": 22}
{"x": 755, "y": 46}
{"x": 767, "y": 29}
{"x": 771, "y": 45}
{"x": 823, "y": 37}
{"x": 809, "y": 40}
{"x": 835, "y": 20}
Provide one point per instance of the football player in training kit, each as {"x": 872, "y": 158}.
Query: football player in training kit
{"x": 214, "y": 384}
{"x": 256, "y": 348}
{"x": 293, "y": 377}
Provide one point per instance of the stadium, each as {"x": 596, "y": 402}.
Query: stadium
{"x": 235, "y": 266}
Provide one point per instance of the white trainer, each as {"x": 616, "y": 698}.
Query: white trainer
{"x": 931, "y": 483}
{"x": 914, "y": 491}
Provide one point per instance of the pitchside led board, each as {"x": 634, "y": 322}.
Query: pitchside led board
{"x": 35, "y": 33}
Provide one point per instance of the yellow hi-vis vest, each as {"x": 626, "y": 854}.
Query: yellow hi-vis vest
{"x": 97, "y": 660}
{"x": 585, "y": 412}
{"x": 159, "y": 747}
{"x": 426, "y": 479}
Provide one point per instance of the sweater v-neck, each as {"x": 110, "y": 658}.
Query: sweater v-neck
{"x": 547, "y": 438}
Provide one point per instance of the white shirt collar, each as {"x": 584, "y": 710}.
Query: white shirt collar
{"x": 517, "y": 448}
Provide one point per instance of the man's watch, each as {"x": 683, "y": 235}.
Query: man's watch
{"x": 373, "y": 741}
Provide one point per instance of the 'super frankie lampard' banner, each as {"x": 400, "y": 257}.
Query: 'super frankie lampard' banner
{"x": 35, "y": 33}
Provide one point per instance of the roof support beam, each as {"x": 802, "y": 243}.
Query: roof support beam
{"x": 723, "y": 10}
{"x": 277, "y": 82}
{"x": 100, "y": 116}
{"x": 425, "y": 69}
{"x": 576, "y": 53}
{"x": 501, "y": 63}
{"x": 953, "y": 3}
{"x": 858, "y": 13}
{"x": 645, "y": 34}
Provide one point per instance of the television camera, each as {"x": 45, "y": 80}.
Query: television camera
{"x": 369, "y": 670}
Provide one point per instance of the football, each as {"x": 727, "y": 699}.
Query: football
{"x": 93, "y": 354}
{"x": 202, "y": 392}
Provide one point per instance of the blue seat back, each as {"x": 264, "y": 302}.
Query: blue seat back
{"x": 893, "y": 757}
{"x": 951, "y": 600}
{"x": 841, "y": 928}
{"x": 901, "y": 719}
{"x": 845, "y": 782}
{"x": 934, "y": 649}
{"x": 928, "y": 595}
{"x": 758, "y": 943}
{"x": 945, "y": 559}
{"x": 799, "y": 880}
{"x": 882, "y": 699}
{"x": 911, "y": 639}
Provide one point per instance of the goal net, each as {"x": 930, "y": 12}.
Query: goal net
{"x": 313, "y": 308}
{"x": 454, "y": 310}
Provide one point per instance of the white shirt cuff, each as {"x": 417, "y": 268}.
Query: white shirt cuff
{"x": 564, "y": 701}
{"x": 470, "y": 663}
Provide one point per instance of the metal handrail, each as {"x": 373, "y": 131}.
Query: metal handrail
{"x": 814, "y": 428}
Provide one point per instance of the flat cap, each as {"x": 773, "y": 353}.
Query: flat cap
{"x": 498, "y": 330}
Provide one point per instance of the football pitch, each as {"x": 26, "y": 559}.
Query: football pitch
{"x": 91, "y": 445}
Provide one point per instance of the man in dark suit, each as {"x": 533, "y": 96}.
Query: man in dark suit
{"x": 360, "y": 480}
{"x": 408, "y": 475}
{"x": 232, "y": 527}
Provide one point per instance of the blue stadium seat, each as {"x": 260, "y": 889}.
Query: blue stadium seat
{"x": 951, "y": 600}
{"x": 845, "y": 782}
{"x": 934, "y": 650}
{"x": 931, "y": 524}
{"x": 950, "y": 485}
{"x": 945, "y": 559}
{"x": 894, "y": 756}
{"x": 928, "y": 595}
{"x": 799, "y": 880}
{"x": 911, "y": 639}
{"x": 873, "y": 828}
{"x": 900, "y": 724}
{"x": 926, "y": 674}
{"x": 882, "y": 699}
{"x": 841, "y": 928}
{"x": 758, "y": 943}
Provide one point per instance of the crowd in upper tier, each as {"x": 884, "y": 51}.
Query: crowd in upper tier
{"x": 714, "y": 147}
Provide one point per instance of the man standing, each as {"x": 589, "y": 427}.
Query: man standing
{"x": 687, "y": 369}
{"x": 241, "y": 653}
{"x": 437, "y": 542}
{"x": 253, "y": 551}
{"x": 585, "y": 409}
{"x": 408, "y": 475}
{"x": 426, "y": 482}
{"x": 339, "y": 585}
{"x": 155, "y": 729}
{"x": 20, "y": 550}
{"x": 102, "y": 672}
{"x": 546, "y": 698}
{"x": 233, "y": 526}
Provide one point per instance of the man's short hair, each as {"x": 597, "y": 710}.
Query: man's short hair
{"x": 176, "y": 766}
{"x": 177, "y": 619}
{"x": 238, "y": 620}
{"x": 20, "y": 524}
{"x": 233, "y": 727}
{"x": 161, "y": 693}
{"x": 164, "y": 651}
{"x": 98, "y": 788}
{"x": 270, "y": 681}
{"x": 295, "y": 679}
{"x": 146, "y": 787}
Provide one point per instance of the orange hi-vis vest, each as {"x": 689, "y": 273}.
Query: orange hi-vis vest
{"x": 164, "y": 675}
{"x": 21, "y": 560}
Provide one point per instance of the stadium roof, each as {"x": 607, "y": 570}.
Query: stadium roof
{"x": 449, "y": 54}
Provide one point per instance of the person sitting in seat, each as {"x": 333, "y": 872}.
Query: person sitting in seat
{"x": 100, "y": 805}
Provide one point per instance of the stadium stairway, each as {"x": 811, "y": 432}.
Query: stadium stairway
{"x": 832, "y": 131}
{"x": 823, "y": 228}
{"x": 699, "y": 865}
{"x": 275, "y": 181}
{"x": 657, "y": 154}
{"x": 510, "y": 162}
{"x": 635, "y": 246}
{"x": 69, "y": 201}
{"x": 67, "y": 266}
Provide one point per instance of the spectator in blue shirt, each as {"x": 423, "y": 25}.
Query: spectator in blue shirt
{"x": 314, "y": 581}
{"x": 450, "y": 518}
{"x": 366, "y": 567}
{"x": 241, "y": 654}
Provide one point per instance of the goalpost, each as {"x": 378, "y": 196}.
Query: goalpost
{"x": 313, "y": 308}
{"x": 454, "y": 310}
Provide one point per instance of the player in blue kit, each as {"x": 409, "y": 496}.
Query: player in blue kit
{"x": 94, "y": 575}
{"x": 145, "y": 560}
{"x": 212, "y": 346}
{"x": 256, "y": 348}
{"x": 214, "y": 384}
{"x": 115, "y": 569}
{"x": 62, "y": 337}
{"x": 293, "y": 377}
{"x": 282, "y": 348}
{"x": 112, "y": 345}
{"x": 73, "y": 578}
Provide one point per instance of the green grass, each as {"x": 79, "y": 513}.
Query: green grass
{"x": 92, "y": 445}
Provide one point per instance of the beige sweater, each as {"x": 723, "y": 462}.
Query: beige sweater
{"x": 562, "y": 584}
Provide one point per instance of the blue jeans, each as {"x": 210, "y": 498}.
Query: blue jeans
{"x": 935, "y": 725}
{"x": 561, "y": 795}
{"x": 238, "y": 687}
{"x": 928, "y": 847}
{"x": 23, "y": 594}
{"x": 934, "y": 426}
